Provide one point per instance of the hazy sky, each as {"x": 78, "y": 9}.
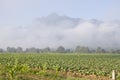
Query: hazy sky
{"x": 22, "y": 12}
{"x": 29, "y": 23}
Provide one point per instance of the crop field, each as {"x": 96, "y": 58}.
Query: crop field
{"x": 56, "y": 66}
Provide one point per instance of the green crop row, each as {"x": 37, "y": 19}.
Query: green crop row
{"x": 97, "y": 64}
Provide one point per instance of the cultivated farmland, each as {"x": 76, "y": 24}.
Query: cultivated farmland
{"x": 58, "y": 66}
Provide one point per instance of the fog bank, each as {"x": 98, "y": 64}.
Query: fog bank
{"x": 55, "y": 30}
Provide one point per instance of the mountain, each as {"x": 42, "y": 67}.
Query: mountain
{"x": 55, "y": 30}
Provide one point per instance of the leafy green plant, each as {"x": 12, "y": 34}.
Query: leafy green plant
{"x": 57, "y": 68}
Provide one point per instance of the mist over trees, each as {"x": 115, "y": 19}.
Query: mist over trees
{"x": 55, "y": 30}
{"x": 59, "y": 49}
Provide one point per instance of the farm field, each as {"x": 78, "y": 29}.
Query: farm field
{"x": 58, "y": 66}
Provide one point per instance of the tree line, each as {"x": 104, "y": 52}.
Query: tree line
{"x": 60, "y": 49}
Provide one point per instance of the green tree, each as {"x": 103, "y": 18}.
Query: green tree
{"x": 83, "y": 49}
{"x": 61, "y": 49}
{"x": 100, "y": 50}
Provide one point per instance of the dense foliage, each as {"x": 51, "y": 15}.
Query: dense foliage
{"x": 15, "y": 66}
{"x": 60, "y": 49}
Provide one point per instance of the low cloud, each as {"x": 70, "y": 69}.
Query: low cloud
{"x": 54, "y": 30}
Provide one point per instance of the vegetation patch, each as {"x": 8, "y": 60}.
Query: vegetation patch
{"x": 59, "y": 66}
